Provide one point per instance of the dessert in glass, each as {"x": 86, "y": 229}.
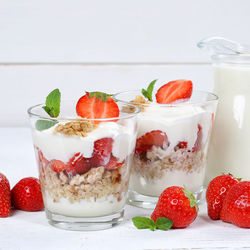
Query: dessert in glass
{"x": 84, "y": 159}
{"x": 172, "y": 140}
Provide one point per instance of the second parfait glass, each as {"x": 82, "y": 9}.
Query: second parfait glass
{"x": 84, "y": 166}
{"x": 171, "y": 147}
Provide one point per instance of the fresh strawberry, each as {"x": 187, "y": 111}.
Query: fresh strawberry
{"x": 182, "y": 144}
{"x": 216, "y": 193}
{"x": 174, "y": 90}
{"x": 77, "y": 165}
{"x": 26, "y": 195}
{"x": 102, "y": 152}
{"x": 5, "y": 204}
{"x": 198, "y": 143}
{"x": 58, "y": 166}
{"x": 113, "y": 163}
{"x": 97, "y": 105}
{"x": 236, "y": 205}
{"x": 154, "y": 138}
{"x": 178, "y": 205}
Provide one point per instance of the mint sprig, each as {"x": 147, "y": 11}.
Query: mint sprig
{"x": 53, "y": 101}
{"x": 148, "y": 93}
{"x": 99, "y": 95}
{"x": 161, "y": 223}
{"x": 192, "y": 199}
{"x": 44, "y": 124}
{"x": 52, "y": 107}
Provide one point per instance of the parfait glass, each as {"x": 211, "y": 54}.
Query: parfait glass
{"x": 172, "y": 144}
{"x": 84, "y": 165}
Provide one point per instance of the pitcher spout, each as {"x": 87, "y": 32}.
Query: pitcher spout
{"x": 221, "y": 46}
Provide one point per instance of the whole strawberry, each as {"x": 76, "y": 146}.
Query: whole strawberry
{"x": 26, "y": 195}
{"x": 216, "y": 193}
{"x": 177, "y": 204}
{"x": 5, "y": 204}
{"x": 236, "y": 205}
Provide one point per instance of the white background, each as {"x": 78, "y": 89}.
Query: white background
{"x": 109, "y": 45}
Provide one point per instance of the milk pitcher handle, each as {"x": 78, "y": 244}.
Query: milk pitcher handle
{"x": 223, "y": 46}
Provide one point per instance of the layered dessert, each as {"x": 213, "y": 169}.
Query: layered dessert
{"x": 172, "y": 140}
{"x": 84, "y": 161}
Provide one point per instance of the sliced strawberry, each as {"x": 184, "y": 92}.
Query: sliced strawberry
{"x": 58, "y": 166}
{"x": 154, "y": 138}
{"x": 173, "y": 91}
{"x": 78, "y": 165}
{"x": 197, "y": 144}
{"x": 97, "y": 105}
{"x": 182, "y": 144}
{"x": 113, "y": 163}
{"x": 102, "y": 152}
{"x": 41, "y": 159}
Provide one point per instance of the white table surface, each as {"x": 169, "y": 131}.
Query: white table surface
{"x": 26, "y": 230}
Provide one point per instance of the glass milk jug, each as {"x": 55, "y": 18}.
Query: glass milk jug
{"x": 230, "y": 142}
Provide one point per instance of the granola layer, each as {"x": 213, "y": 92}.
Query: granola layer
{"x": 155, "y": 164}
{"x": 96, "y": 183}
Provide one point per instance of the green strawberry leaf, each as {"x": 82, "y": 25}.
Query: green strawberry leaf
{"x": 143, "y": 223}
{"x": 190, "y": 196}
{"x": 53, "y": 101}
{"x": 148, "y": 93}
{"x": 100, "y": 95}
{"x": 44, "y": 124}
{"x": 163, "y": 223}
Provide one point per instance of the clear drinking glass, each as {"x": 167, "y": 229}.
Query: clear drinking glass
{"x": 230, "y": 142}
{"x": 84, "y": 176}
{"x": 181, "y": 160}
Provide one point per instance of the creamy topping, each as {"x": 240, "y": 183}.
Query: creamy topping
{"x": 61, "y": 147}
{"x": 179, "y": 122}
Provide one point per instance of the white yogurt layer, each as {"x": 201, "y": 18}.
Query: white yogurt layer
{"x": 60, "y": 147}
{"x": 99, "y": 207}
{"x": 154, "y": 187}
{"x": 179, "y": 123}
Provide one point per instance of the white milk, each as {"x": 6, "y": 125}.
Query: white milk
{"x": 230, "y": 142}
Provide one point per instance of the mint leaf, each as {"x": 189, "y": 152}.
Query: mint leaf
{"x": 190, "y": 196}
{"x": 44, "y": 124}
{"x": 143, "y": 223}
{"x": 53, "y": 103}
{"x": 100, "y": 95}
{"x": 148, "y": 93}
{"x": 163, "y": 223}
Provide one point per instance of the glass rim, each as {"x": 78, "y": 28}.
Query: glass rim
{"x": 232, "y": 58}
{"x": 126, "y": 116}
{"x": 180, "y": 104}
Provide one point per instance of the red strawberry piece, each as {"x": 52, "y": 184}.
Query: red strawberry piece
{"x": 198, "y": 143}
{"x": 26, "y": 195}
{"x": 236, "y": 205}
{"x": 77, "y": 165}
{"x": 42, "y": 160}
{"x": 113, "y": 163}
{"x": 5, "y": 203}
{"x": 174, "y": 90}
{"x": 216, "y": 193}
{"x": 182, "y": 144}
{"x": 154, "y": 138}
{"x": 58, "y": 166}
{"x": 178, "y": 205}
{"x": 102, "y": 152}
{"x": 97, "y": 105}
{"x": 212, "y": 117}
